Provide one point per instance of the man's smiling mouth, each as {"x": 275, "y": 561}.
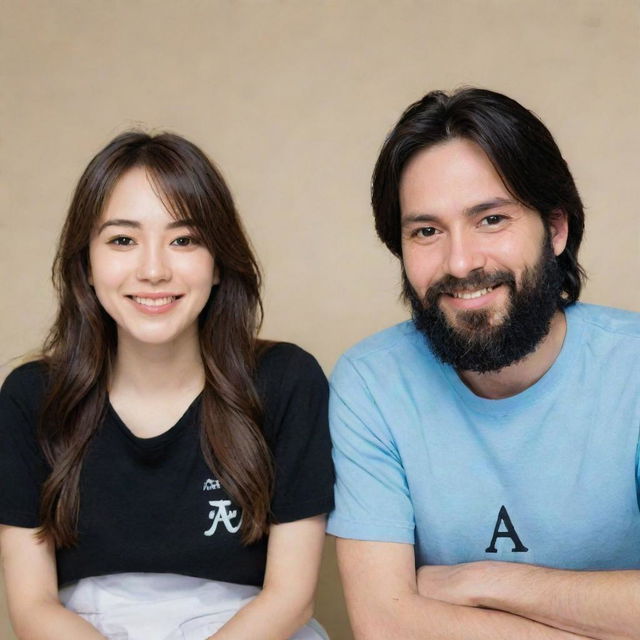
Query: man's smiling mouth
{"x": 469, "y": 295}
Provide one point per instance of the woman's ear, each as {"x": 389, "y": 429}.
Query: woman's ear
{"x": 558, "y": 225}
{"x": 216, "y": 275}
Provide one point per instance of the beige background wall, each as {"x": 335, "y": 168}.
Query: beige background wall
{"x": 293, "y": 99}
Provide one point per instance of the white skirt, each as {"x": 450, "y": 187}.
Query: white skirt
{"x": 160, "y": 606}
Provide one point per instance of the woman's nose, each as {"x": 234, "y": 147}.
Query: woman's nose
{"x": 154, "y": 265}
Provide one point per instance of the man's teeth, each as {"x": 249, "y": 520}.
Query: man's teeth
{"x": 154, "y": 302}
{"x": 469, "y": 295}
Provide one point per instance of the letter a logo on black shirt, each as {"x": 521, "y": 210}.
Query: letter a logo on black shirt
{"x": 503, "y": 518}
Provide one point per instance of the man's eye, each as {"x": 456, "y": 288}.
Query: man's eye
{"x": 492, "y": 220}
{"x": 184, "y": 241}
{"x": 425, "y": 232}
{"x": 121, "y": 241}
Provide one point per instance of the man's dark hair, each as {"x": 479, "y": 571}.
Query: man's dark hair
{"x": 520, "y": 147}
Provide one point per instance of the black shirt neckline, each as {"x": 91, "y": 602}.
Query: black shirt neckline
{"x": 161, "y": 439}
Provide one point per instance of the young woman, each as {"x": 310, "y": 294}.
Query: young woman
{"x": 164, "y": 473}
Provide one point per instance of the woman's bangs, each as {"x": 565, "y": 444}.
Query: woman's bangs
{"x": 181, "y": 197}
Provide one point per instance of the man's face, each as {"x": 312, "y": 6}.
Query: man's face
{"x": 480, "y": 267}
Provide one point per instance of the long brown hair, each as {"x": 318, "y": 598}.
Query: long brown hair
{"x": 82, "y": 343}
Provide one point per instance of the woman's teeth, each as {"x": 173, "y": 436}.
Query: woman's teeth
{"x": 154, "y": 302}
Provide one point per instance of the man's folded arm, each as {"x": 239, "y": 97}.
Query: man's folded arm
{"x": 382, "y": 597}
{"x": 599, "y": 604}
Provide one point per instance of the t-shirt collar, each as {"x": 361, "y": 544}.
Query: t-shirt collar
{"x": 555, "y": 375}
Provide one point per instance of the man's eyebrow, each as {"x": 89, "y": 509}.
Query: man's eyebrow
{"x": 134, "y": 224}
{"x": 494, "y": 203}
{"x": 481, "y": 207}
{"x": 418, "y": 217}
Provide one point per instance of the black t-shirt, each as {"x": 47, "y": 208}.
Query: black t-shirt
{"x": 152, "y": 504}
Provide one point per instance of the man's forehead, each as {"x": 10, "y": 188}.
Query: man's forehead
{"x": 456, "y": 176}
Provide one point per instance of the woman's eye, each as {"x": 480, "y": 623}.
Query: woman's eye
{"x": 184, "y": 241}
{"x": 121, "y": 241}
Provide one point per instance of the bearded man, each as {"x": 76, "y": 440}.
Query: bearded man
{"x": 487, "y": 450}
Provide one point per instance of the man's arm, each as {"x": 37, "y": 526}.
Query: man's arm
{"x": 384, "y": 604}
{"x": 599, "y": 604}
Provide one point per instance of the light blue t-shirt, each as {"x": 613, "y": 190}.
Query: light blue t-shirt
{"x": 549, "y": 476}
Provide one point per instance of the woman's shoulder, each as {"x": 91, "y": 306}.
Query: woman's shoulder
{"x": 26, "y": 383}
{"x": 279, "y": 362}
{"x": 287, "y": 374}
{"x": 21, "y": 399}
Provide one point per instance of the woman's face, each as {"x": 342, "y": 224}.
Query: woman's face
{"x": 148, "y": 270}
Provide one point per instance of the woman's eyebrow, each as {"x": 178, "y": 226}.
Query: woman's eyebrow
{"x": 134, "y": 224}
{"x": 176, "y": 224}
{"x": 119, "y": 222}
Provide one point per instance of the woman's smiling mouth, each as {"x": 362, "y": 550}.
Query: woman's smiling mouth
{"x": 155, "y": 303}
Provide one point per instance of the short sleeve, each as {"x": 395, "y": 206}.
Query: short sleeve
{"x": 295, "y": 395}
{"x": 372, "y": 500}
{"x": 638, "y": 472}
{"x": 22, "y": 466}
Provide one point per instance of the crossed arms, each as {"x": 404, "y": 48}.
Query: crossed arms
{"x": 481, "y": 601}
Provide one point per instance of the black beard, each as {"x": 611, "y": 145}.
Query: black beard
{"x": 477, "y": 345}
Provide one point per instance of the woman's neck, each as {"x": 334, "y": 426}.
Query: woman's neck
{"x": 149, "y": 369}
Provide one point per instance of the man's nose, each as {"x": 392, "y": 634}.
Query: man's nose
{"x": 464, "y": 255}
{"x": 153, "y": 265}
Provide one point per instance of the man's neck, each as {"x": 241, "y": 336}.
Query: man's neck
{"x": 520, "y": 376}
